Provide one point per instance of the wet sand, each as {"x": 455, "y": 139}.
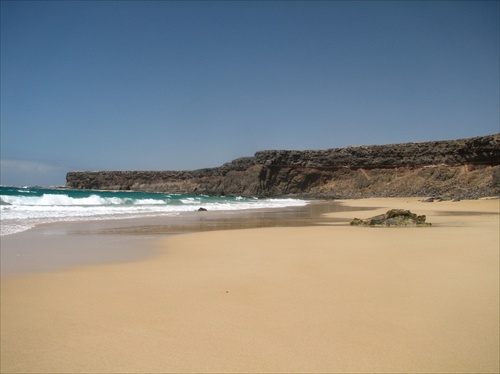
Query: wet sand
{"x": 66, "y": 244}
{"x": 325, "y": 297}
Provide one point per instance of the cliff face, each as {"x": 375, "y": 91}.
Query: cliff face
{"x": 464, "y": 168}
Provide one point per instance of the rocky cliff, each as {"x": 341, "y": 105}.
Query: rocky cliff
{"x": 463, "y": 168}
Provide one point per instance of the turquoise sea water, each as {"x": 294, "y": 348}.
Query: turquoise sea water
{"x": 22, "y": 208}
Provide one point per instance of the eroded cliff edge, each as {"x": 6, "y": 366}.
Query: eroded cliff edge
{"x": 463, "y": 168}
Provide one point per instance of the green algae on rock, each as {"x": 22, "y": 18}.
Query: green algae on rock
{"x": 393, "y": 218}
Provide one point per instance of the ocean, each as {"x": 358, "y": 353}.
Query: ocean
{"x": 22, "y": 208}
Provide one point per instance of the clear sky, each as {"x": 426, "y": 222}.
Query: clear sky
{"x": 151, "y": 85}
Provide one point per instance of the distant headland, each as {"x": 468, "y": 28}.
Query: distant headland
{"x": 463, "y": 168}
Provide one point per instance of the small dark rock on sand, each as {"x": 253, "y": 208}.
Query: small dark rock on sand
{"x": 202, "y": 210}
{"x": 393, "y": 218}
{"x": 433, "y": 199}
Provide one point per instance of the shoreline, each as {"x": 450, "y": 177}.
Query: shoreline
{"x": 66, "y": 244}
{"x": 325, "y": 297}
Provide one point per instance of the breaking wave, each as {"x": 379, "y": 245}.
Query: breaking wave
{"x": 24, "y": 208}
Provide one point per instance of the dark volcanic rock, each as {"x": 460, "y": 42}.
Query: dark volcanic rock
{"x": 393, "y": 218}
{"x": 483, "y": 150}
{"x": 464, "y": 168}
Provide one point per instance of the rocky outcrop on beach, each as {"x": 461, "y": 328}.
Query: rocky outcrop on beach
{"x": 463, "y": 168}
{"x": 393, "y": 218}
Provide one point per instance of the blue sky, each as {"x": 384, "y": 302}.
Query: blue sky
{"x": 151, "y": 85}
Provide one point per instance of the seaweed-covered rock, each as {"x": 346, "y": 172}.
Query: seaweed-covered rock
{"x": 393, "y": 218}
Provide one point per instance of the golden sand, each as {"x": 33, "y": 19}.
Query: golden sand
{"x": 327, "y": 298}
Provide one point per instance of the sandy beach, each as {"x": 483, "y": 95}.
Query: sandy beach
{"x": 324, "y": 298}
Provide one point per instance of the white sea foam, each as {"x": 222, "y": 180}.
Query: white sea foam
{"x": 64, "y": 200}
{"x": 20, "y": 212}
